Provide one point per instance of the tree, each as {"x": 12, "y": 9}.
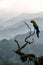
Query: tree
{"x": 23, "y": 56}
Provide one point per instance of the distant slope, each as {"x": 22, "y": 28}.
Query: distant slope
{"x": 22, "y": 17}
{"x": 6, "y": 47}
{"x": 19, "y": 28}
{"x": 2, "y": 27}
{"x": 12, "y": 31}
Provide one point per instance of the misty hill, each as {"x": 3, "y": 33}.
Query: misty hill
{"x": 19, "y": 28}
{"x": 13, "y": 31}
{"x": 6, "y": 47}
{"x": 22, "y": 17}
{"x": 19, "y": 31}
{"x": 2, "y": 27}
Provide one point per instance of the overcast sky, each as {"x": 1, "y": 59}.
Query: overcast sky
{"x": 21, "y": 6}
{"x": 10, "y": 8}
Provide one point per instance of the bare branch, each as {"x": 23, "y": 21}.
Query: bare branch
{"x": 17, "y": 44}
{"x": 24, "y": 56}
{"x": 29, "y": 34}
{"x": 19, "y": 49}
{"x": 27, "y": 26}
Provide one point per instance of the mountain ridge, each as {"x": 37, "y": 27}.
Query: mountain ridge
{"x": 22, "y": 17}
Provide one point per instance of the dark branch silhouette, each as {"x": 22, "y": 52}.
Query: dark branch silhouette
{"x": 26, "y": 42}
{"x": 17, "y": 44}
{"x": 24, "y": 56}
{"x": 18, "y": 51}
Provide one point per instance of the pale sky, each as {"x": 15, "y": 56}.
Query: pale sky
{"x": 10, "y": 8}
{"x": 21, "y": 6}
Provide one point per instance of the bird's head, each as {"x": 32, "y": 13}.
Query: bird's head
{"x": 32, "y": 21}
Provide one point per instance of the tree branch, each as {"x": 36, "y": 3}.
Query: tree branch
{"x": 31, "y": 57}
{"x": 26, "y": 42}
{"x": 17, "y": 44}
{"x": 22, "y": 55}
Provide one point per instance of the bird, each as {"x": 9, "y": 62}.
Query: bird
{"x": 36, "y": 27}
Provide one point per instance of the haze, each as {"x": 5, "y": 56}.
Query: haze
{"x": 11, "y": 8}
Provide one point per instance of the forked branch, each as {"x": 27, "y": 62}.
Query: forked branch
{"x": 26, "y": 42}
{"x": 22, "y": 55}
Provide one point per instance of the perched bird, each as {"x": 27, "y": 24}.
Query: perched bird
{"x": 35, "y": 27}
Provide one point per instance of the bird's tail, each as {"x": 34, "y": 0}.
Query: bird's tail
{"x": 37, "y": 33}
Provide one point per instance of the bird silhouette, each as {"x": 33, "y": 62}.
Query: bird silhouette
{"x": 35, "y": 27}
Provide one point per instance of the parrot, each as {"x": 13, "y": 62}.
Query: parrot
{"x": 36, "y": 27}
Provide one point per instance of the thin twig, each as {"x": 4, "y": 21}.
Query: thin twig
{"x": 17, "y": 44}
